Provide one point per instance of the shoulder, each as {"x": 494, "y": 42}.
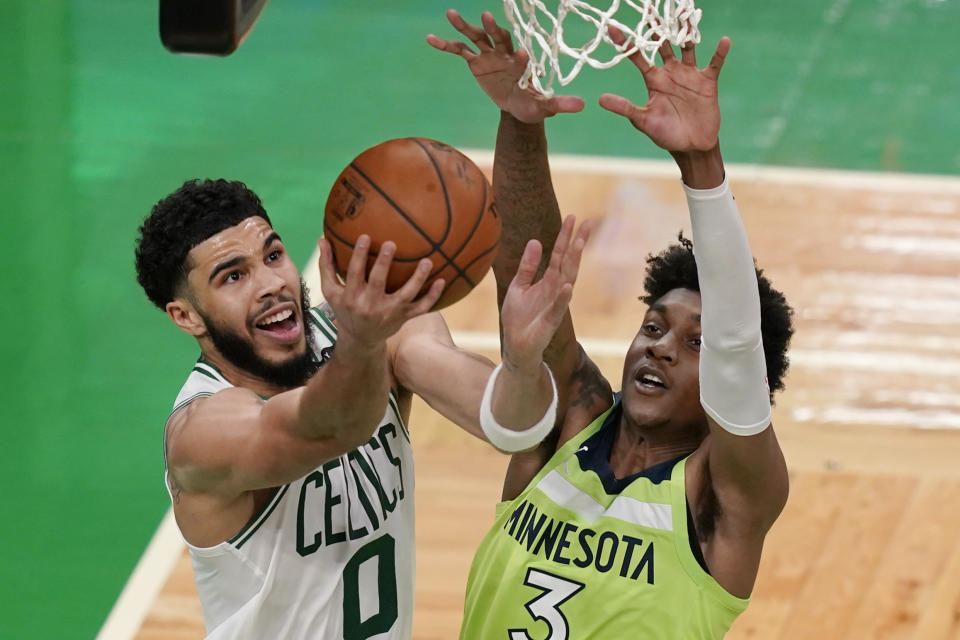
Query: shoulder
{"x": 419, "y": 333}
{"x": 201, "y": 416}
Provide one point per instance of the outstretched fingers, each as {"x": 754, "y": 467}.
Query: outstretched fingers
{"x": 411, "y": 288}
{"x": 562, "y": 243}
{"x": 719, "y": 56}
{"x": 377, "y": 278}
{"x": 455, "y": 47}
{"x": 330, "y": 285}
{"x": 427, "y": 300}
{"x": 529, "y": 263}
{"x": 356, "y": 268}
{"x": 474, "y": 33}
{"x": 688, "y": 54}
{"x": 570, "y": 266}
{"x": 622, "y": 106}
{"x": 564, "y": 104}
{"x": 499, "y": 35}
{"x": 666, "y": 52}
{"x": 560, "y": 304}
{"x": 636, "y": 57}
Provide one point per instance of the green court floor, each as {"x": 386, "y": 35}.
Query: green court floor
{"x": 98, "y": 121}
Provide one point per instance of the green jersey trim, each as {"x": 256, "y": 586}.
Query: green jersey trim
{"x": 208, "y": 369}
{"x": 201, "y": 394}
{"x": 395, "y": 405}
{"x": 323, "y": 323}
{"x": 257, "y": 520}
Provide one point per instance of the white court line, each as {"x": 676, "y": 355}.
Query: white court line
{"x": 822, "y": 359}
{"x": 805, "y": 66}
{"x": 884, "y": 182}
{"x": 164, "y": 550}
{"x": 145, "y": 583}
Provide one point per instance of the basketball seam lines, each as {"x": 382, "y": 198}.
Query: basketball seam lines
{"x": 476, "y": 225}
{"x": 436, "y": 247}
{"x": 443, "y": 185}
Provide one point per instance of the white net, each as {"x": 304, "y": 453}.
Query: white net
{"x": 645, "y": 23}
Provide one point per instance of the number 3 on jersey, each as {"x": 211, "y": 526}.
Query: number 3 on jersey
{"x": 546, "y": 606}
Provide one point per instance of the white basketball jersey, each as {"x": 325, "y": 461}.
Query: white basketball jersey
{"x": 330, "y": 555}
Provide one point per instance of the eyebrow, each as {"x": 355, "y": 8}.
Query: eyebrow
{"x": 226, "y": 264}
{"x": 232, "y": 262}
{"x": 662, "y": 309}
{"x": 273, "y": 237}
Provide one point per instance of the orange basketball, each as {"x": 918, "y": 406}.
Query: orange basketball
{"x": 428, "y": 198}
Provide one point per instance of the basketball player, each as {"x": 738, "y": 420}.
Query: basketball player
{"x": 644, "y": 514}
{"x": 287, "y": 452}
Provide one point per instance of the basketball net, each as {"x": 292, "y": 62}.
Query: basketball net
{"x": 656, "y": 21}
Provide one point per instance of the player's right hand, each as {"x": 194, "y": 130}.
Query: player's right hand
{"x": 361, "y": 304}
{"x": 498, "y": 68}
{"x": 532, "y": 311}
{"x": 682, "y": 113}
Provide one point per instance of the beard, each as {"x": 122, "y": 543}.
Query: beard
{"x": 239, "y": 351}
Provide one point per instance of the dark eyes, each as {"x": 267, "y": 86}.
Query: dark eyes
{"x": 233, "y": 276}
{"x": 274, "y": 255}
{"x": 651, "y": 329}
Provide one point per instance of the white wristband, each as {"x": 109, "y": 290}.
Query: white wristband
{"x": 507, "y": 439}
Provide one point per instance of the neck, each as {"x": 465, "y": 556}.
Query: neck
{"x": 635, "y": 449}
{"x": 240, "y": 377}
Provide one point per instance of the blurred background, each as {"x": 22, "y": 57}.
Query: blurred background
{"x": 98, "y": 122}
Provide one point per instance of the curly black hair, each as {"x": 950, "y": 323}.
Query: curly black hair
{"x": 675, "y": 268}
{"x": 196, "y": 211}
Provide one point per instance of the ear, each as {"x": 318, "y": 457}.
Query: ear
{"x": 185, "y": 316}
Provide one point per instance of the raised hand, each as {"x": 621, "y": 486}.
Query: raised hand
{"x": 532, "y": 311}
{"x": 498, "y": 67}
{"x": 361, "y": 303}
{"x": 682, "y": 113}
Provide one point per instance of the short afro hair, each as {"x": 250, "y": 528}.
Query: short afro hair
{"x": 675, "y": 268}
{"x": 196, "y": 211}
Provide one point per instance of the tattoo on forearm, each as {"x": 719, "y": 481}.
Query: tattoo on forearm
{"x": 525, "y": 198}
{"x": 591, "y": 387}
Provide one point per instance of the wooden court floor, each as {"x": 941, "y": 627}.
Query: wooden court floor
{"x": 870, "y": 421}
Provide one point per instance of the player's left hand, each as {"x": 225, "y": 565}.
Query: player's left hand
{"x": 532, "y": 311}
{"x": 498, "y": 68}
{"x": 682, "y": 113}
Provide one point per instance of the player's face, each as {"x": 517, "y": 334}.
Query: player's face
{"x": 661, "y": 383}
{"x": 249, "y": 294}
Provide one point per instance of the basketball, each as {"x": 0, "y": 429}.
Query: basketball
{"x": 429, "y": 199}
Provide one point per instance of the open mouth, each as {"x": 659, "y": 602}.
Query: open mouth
{"x": 651, "y": 381}
{"x": 282, "y": 325}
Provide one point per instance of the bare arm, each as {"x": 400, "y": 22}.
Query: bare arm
{"x": 234, "y": 441}
{"x": 451, "y": 380}
{"x": 524, "y": 194}
{"x": 740, "y": 465}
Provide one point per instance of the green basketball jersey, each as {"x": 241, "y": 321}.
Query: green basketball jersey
{"x": 580, "y": 554}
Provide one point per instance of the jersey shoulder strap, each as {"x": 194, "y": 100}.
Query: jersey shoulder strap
{"x": 204, "y": 380}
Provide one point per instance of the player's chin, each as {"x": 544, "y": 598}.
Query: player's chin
{"x": 281, "y": 355}
{"x": 644, "y": 408}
